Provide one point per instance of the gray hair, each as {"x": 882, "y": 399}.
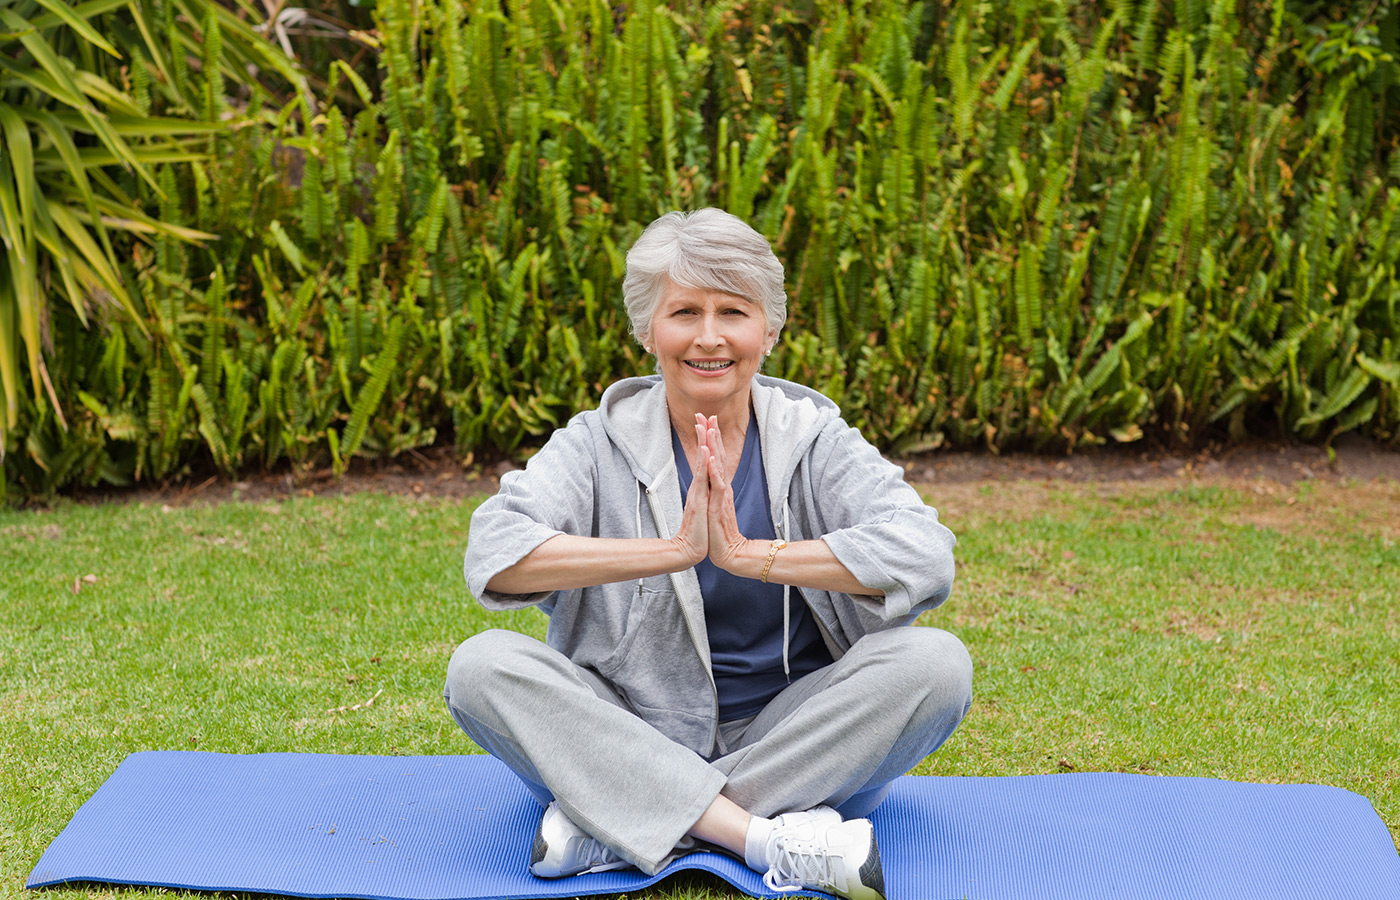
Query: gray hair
{"x": 707, "y": 249}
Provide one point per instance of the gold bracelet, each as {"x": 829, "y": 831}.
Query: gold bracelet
{"x": 768, "y": 563}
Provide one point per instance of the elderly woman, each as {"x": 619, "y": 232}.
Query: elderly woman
{"x": 730, "y": 572}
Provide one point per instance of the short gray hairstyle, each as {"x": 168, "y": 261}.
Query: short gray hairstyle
{"x": 707, "y": 249}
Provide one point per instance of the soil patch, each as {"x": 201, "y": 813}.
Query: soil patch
{"x": 1352, "y": 458}
{"x": 953, "y": 475}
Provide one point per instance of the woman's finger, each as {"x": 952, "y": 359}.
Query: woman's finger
{"x": 721, "y": 505}
{"x": 695, "y": 525}
{"x": 716, "y": 441}
{"x": 700, "y": 441}
{"x": 717, "y": 479}
{"x": 723, "y": 536}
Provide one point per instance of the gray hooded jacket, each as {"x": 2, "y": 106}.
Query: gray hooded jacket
{"x": 611, "y": 473}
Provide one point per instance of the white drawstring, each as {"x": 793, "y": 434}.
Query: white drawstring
{"x": 640, "y": 488}
{"x": 787, "y": 609}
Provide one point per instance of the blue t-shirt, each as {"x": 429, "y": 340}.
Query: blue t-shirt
{"x": 744, "y": 617}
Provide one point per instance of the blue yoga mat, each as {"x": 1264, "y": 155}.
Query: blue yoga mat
{"x": 434, "y": 828}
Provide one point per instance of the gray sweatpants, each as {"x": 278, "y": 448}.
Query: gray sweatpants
{"x": 838, "y": 736}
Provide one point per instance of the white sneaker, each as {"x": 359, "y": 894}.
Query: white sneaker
{"x": 815, "y": 850}
{"x": 562, "y": 848}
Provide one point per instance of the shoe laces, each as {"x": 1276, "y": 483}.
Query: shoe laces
{"x": 798, "y": 864}
{"x": 593, "y": 852}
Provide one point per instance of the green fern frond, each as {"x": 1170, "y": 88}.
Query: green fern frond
{"x": 388, "y": 186}
{"x": 1339, "y": 398}
{"x": 1012, "y": 79}
{"x": 368, "y": 400}
{"x": 1028, "y": 299}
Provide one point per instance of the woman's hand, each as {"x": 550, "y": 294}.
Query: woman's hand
{"x": 692, "y": 538}
{"x": 726, "y": 543}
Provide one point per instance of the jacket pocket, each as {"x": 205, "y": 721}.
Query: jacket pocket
{"x": 659, "y": 672}
{"x": 648, "y": 605}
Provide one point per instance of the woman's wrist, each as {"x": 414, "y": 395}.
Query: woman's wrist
{"x": 809, "y": 564}
{"x": 773, "y": 549}
{"x": 684, "y": 554}
{"x": 745, "y": 559}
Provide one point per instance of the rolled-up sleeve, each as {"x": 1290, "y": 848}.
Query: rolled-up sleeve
{"x": 880, "y": 528}
{"x": 553, "y": 494}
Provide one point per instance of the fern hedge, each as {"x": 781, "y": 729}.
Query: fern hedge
{"x": 1027, "y": 225}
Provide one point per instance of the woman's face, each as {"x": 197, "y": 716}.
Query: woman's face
{"x": 708, "y": 347}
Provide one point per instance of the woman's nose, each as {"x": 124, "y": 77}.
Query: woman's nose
{"x": 709, "y": 335}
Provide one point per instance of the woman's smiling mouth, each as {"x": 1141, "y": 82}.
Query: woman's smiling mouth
{"x": 710, "y": 365}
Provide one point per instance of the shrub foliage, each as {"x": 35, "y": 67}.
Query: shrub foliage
{"x": 1035, "y": 224}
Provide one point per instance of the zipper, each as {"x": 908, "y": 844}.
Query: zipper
{"x": 690, "y": 629}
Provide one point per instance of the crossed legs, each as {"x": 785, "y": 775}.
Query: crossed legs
{"x": 837, "y": 737}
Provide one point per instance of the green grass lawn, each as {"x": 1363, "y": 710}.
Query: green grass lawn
{"x": 1246, "y": 631}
